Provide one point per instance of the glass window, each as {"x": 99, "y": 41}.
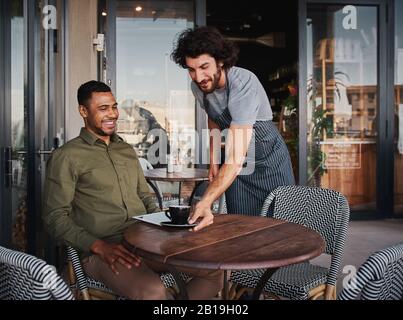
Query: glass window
{"x": 342, "y": 60}
{"x": 18, "y": 127}
{"x": 153, "y": 92}
{"x": 399, "y": 107}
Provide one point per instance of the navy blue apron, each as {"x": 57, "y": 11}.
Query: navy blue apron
{"x": 272, "y": 165}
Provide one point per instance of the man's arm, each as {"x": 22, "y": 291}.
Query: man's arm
{"x": 144, "y": 192}
{"x": 237, "y": 143}
{"x": 60, "y": 183}
{"x": 215, "y": 149}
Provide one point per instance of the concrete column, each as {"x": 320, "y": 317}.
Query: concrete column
{"x": 81, "y": 57}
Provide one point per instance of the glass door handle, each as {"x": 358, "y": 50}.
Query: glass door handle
{"x": 49, "y": 152}
{"x": 44, "y": 152}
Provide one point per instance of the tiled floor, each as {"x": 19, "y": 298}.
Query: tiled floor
{"x": 364, "y": 238}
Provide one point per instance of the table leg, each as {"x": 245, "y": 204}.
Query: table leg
{"x": 225, "y": 288}
{"x": 262, "y": 282}
{"x": 183, "y": 293}
{"x": 157, "y": 193}
{"x": 180, "y": 187}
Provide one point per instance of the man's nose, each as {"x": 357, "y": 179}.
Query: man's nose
{"x": 113, "y": 112}
{"x": 199, "y": 76}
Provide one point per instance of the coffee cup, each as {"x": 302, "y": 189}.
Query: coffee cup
{"x": 178, "y": 214}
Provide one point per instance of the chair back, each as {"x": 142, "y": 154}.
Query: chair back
{"x": 80, "y": 276}
{"x": 380, "y": 277}
{"x": 323, "y": 210}
{"x": 25, "y": 277}
{"x": 145, "y": 164}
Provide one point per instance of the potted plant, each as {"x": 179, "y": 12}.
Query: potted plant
{"x": 322, "y": 121}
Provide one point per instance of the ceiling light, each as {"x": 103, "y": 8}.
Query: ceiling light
{"x": 104, "y": 14}
{"x": 138, "y": 8}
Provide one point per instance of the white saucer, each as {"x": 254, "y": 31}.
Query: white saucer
{"x": 170, "y": 224}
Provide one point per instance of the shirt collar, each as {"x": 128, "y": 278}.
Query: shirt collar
{"x": 91, "y": 138}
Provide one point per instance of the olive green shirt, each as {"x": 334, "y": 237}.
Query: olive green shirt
{"x": 92, "y": 190}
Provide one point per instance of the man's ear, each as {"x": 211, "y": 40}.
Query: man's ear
{"x": 221, "y": 64}
{"x": 83, "y": 111}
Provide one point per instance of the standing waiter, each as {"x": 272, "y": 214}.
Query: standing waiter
{"x": 233, "y": 99}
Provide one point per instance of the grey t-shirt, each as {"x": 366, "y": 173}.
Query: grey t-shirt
{"x": 247, "y": 102}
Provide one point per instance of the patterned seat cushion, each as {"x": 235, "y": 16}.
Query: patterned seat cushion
{"x": 166, "y": 278}
{"x": 84, "y": 281}
{"x": 169, "y": 281}
{"x": 292, "y": 282}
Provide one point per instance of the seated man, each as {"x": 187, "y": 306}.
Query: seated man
{"x": 94, "y": 186}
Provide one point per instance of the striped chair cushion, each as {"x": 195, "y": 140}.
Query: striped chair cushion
{"x": 166, "y": 278}
{"x": 86, "y": 282}
{"x": 292, "y": 282}
{"x": 169, "y": 281}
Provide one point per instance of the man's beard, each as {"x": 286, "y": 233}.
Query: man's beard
{"x": 215, "y": 81}
{"x": 102, "y": 133}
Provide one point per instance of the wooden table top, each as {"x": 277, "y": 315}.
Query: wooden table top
{"x": 185, "y": 175}
{"x": 233, "y": 242}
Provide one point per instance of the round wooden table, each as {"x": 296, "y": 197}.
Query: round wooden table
{"x": 233, "y": 242}
{"x": 193, "y": 175}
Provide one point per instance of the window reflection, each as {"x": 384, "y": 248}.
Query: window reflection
{"x": 399, "y": 108}
{"x": 18, "y": 128}
{"x": 342, "y": 100}
{"x": 153, "y": 93}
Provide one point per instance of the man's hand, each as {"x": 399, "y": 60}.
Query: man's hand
{"x": 203, "y": 211}
{"x": 213, "y": 172}
{"x": 113, "y": 253}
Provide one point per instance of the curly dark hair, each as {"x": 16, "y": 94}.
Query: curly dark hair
{"x": 204, "y": 40}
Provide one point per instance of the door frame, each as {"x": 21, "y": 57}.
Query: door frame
{"x": 5, "y": 98}
{"x": 29, "y": 11}
{"x": 385, "y": 123}
{"x": 32, "y": 24}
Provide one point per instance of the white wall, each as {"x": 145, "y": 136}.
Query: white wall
{"x": 81, "y": 57}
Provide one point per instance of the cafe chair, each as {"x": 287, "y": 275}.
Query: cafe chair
{"x": 25, "y": 277}
{"x": 146, "y": 165}
{"x": 87, "y": 288}
{"x": 380, "y": 277}
{"x": 323, "y": 210}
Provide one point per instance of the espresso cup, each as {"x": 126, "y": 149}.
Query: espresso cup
{"x": 178, "y": 214}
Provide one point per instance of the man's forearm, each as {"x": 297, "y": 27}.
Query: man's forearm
{"x": 63, "y": 228}
{"x": 215, "y": 142}
{"x": 149, "y": 203}
{"x": 225, "y": 177}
